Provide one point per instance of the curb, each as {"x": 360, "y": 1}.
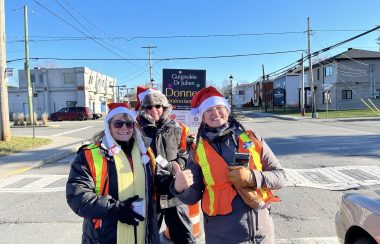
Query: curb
{"x": 39, "y": 163}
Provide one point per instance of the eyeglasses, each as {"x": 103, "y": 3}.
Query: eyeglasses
{"x": 155, "y": 106}
{"x": 119, "y": 123}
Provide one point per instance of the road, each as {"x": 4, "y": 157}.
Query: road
{"x": 322, "y": 159}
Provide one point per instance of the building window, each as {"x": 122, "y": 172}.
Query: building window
{"x": 33, "y": 78}
{"x": 41, "y": 77}
{"x": 346, "y": 94}
{"x": 241, "y": 92}
{"x": 318, "y": 74}
{"x": 71, "y": 103}
{"x": 328, "y": 70}
{"x": 377, "y": 94}
{"x": 69, "y": 78}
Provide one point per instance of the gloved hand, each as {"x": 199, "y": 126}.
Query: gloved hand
{"x": 241, "y": 177}
{"x": 126, "y": 214}
{"x": 251, "y": 198}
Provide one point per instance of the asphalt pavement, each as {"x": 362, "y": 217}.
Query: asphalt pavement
{"x": 59, "y": 148}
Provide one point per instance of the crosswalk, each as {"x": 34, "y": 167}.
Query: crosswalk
{"x": 329, "y": 178}
{"x": 334, "y": 178}
{"x": 33, "y": 184}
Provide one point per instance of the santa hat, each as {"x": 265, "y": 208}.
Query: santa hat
{"x": 141, "y": 94}
{"x": 113, "y": 148}
{"x": 206, "y": 98}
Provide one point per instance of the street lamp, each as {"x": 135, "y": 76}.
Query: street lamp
{"x": 151, "y": 83}
{"x": 231, "y": 79}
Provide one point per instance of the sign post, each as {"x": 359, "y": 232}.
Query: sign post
{"x": 327, "y": 97}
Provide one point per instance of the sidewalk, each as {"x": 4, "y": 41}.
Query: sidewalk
{"x": 60, "y": 147}
{"x": 248, "y": 115}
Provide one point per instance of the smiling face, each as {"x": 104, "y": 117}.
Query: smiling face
{"x": 215, "y": 116}
{"x": 125, "y": 132}
{"x": 155, "y": 111}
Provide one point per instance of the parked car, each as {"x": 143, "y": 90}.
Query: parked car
{"x": 72, "y": 113}
{"x": 96, "y": 115}
{"x": 358, "y": 219}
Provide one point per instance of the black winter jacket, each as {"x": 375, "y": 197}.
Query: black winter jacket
{"x": 82, "y": 199}
{"x": 165, "y": 138}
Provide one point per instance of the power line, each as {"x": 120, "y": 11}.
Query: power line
{"x": 129, "y": 38}
{"x": 76, "y": 28}
{"x": 316, "y": 53}
{"x": 166, "y": 59}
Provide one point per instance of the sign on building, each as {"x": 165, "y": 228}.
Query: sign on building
{"x": 179, "y": 86}
{"x": 9, "y": 72}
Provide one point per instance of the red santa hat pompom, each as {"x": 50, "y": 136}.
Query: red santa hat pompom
{"x": 206, "y": 98}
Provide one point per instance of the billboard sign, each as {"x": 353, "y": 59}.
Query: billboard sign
{"x": 278, "y": 96}
{"x": 179, "y": 86}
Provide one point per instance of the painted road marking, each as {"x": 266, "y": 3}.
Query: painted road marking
{"x": 33, "y": 183}
{"x": 71, "y": 131}
{"x": 309, "y": 240}
{"x": 334, "y": 178}
{"x": 330, "y": 178}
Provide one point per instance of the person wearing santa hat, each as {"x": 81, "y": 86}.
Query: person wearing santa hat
{"x": 233, "y": 171}
{"x": 169, "y": 143}
{"x": 110, "y": 183}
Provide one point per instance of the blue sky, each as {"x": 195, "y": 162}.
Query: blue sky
{"x": 216, "y": 21}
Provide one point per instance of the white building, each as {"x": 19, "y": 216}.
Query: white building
{"x": 290, "y": 83}
{"x": 243, "y": 94}
{"x": 57, "y": 88}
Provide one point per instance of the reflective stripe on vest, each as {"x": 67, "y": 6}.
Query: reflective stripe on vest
{"x": 207, "y": 176}
{"x": 153, "y": 165}
{"x": 247, "y": 141}
{"x": 219, "y": 193}
{"x": 184, "y": 133}
{"x": 214, "y": 169}
{"x": 98, "y": 167}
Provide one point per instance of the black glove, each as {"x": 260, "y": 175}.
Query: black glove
{"x": 126, "y": 214}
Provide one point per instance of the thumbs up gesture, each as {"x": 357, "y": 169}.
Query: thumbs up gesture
{"x": 183, "y": 179}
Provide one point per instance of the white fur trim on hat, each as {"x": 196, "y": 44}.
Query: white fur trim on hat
{"x": 113, "y": 148}
{"x": 209, "y": 103}
{"x": 146, "y": 92}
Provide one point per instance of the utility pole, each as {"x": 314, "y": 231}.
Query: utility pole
{"x": 302, "y": 88}
{"x": 265, "y": 90}
{"x": 311, "y": 81}
{"x": 27, "y": 68}
{"x": 5, "y": 131}
{"x": 150, "y": 64}
{"x": 231, "y": 91}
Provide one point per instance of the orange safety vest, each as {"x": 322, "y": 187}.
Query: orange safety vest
{"x": 184, "y": 133}
{"x": 219, "y": 192}
{"x": 99, "y": 172}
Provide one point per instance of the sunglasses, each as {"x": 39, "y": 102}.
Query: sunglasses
{"x": 155, "y": 106}
{"x": 119, "y": 123}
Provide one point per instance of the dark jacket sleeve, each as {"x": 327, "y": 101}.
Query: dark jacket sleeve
{"x": 167, "y": 145}
{"x": 273, "y": 175}
{"x": 80, "y": 192}
{"x": 194, "y": 193}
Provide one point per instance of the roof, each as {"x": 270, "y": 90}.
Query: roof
{"x": 358, "y": 54}
{"x": 350, "y": 54}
